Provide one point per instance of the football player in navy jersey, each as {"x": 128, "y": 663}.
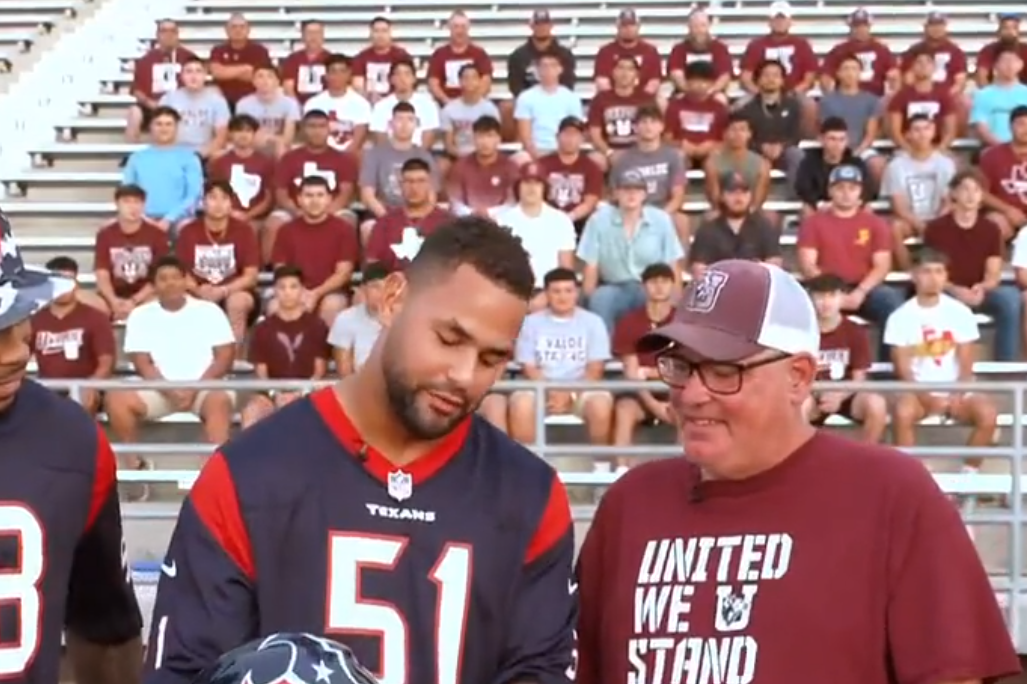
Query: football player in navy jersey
{"x": 383, "y": 511}
{"x": 62, "y": 558}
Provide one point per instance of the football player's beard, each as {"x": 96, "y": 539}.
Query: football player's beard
{"x": 404, "y": 400}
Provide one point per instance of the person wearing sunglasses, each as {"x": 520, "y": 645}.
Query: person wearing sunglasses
{"x": 771, "y": 550}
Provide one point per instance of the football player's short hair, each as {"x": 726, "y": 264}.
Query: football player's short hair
{"x": 560, "y": 275}
{"x": 221, "y": 185}
{"x": 927, "y": 256}
{"x": 738, "y": 117}
{"x": 825, "y": 282}
{"x": 243, "y": 122}
{"x": 163, "y": 110}
{"x": 62, "y": 264}
{"x": 129, "y": 190}
{"x": 338, "y": 58}
{"x": 481, "y": 243}
{"x": 306, "y": 23}
{"x": 467, "y": 68}
{"x": 193, "y": 60}
{"x": 402, "y": 63}
{"x": 404, "y": 108}
{"x": 315, "y": 115}
{"x": 269, "y": 68}
{"x": 965, "y": 175}
{"x": 762, "y": 66}
{"x": 486, "y": 124}
{"x": 287, "y": 271}
{"x": 415, "y": 164}
{"x": 702, "y": 70}
{"x": 380, "y": 20}
{"x": 834, "y": 124}
{"x": 166, "y": 261}
{"x": 315, "y": 182}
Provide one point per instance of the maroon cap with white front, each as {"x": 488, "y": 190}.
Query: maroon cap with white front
{"x": 739, "y": 308}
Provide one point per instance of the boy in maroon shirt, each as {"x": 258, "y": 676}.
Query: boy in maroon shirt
{"x": 696, "y": 120}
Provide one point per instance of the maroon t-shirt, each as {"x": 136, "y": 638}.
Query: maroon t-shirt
{"x": 615, "y": 116}
{"x": 252, "y": 177}
{"x": 794, "y": 52}
{"x": 307, "y": 71}
{"x": 128, "y": 256}
{"x": 337, "y": 167}
{"x": 396, "y": 237}
{"x": 567, "y": 184}
{"x": 842, "y": 351}
{"x": 631, "y": 328}
{"x": 968, "y": 249}
{"x": 688, "y": 51}
{"x": 934, "y": 102}
{"x": 374, "y": 67}
{"x": 71, "y": 346}
{"x": 289, "y": 349}
{"x": 845, "y": 246}
{"x": 875, "y": 57}
{"x": 445, "y": 64}
{"x": 478, "y": 185}
{"x": 316, "y": 248}
{"x": 695, "y": 120}
{"x": 844, "y": 564}
{"x": 949, "y": 59}
{"x": 159, "y": 71}
{"x": 1006, "y": 174}
{"x": 218, "y": 259}
{"x": 252, "y": 53}
{"x": 645, "y": 54}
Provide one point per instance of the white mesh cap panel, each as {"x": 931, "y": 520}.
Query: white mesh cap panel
{"x": 790, "y": 322}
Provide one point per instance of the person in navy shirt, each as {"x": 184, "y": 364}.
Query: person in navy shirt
{"x": 383, "y": 512}
{"x": 62, "y": 555}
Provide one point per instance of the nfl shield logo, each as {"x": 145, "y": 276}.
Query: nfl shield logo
{"x": 401, "y": 485}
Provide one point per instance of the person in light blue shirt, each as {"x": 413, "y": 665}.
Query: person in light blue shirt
{"x": 540, "y": 109}
{"x": 170, "y": 173}
{"x": 563, "y": 342}
{"x": 992, "y": 104}
{"x": 618, "y": 243}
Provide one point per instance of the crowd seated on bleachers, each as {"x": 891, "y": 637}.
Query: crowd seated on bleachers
{"x": 327, "y": 166}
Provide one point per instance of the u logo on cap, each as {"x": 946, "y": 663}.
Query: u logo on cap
{"x": 703, "y": 294}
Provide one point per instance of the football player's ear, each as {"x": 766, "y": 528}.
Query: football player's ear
{"x": 393, "y": 295}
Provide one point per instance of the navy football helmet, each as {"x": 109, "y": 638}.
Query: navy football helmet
{"x": 288, "y": 659}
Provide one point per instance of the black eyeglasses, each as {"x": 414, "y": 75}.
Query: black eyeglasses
{"x": 717, "y": 377}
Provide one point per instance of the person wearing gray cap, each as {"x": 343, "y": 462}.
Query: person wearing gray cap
{"x": 60, "y": 517}
{"x": 781, "y": 553}
{"x": 618, "y": 242}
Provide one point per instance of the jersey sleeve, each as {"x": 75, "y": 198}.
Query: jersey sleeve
{"x": 540, "y": 642}
{"x": 206, "y": 602}
{"x": 101, "y": 605}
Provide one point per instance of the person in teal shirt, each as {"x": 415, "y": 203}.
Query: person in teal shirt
{"x": 993, "y": 104}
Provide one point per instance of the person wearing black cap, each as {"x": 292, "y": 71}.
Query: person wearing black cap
{"x": 60, "y": 519}
{"x": 1008, "y": 37}
{"x": 522, "y": 65}
{"x": 736, "y": 232}
{"x": 1001, "y": 166}
{"x": 628, "y": 44}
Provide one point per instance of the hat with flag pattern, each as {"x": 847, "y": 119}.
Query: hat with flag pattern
{"x": 23, "y": 290}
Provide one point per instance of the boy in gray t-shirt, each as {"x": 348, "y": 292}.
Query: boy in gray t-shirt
{"x": 380, "y": 171}
{"x": 276, "y": 112}
{"x": 204, "y": 115}
{"x": 663, "y": 169}
{"x": 456, "y": 119}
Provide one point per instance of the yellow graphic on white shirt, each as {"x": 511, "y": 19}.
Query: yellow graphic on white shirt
{"x": 934, "y": 344}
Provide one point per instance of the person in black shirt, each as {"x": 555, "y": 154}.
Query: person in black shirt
{"x": 736, "y": 232}
{"x": 817, "y": 164}
{"x": 776, "y": 119}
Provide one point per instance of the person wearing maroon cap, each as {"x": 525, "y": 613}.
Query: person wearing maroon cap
{"x": 879, "y": 72}
{"x": 629, "y": 44}
{"x": 699, "y": 46}
{"x": 775, "y": 553}
{"x": 949, "y": 63}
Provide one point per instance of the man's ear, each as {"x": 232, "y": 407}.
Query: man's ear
{"x": 393, "y": 296}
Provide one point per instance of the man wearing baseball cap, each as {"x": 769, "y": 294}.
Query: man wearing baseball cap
{"x": 765, "y": 521}
{"x": 736, "y": 232}
{"x": 60, "y": 515}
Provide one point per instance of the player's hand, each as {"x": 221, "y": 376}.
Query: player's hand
{"x": 122, "y": 308}
{"x": 830, "y": 402}
{"x": 977, "y": 293}
{"x": 662, "y": 412}
{"x": 559, "y": 401}
{"x": 851, "y": 301}
{"x": 309, "y": 300}
{"x": 239, "y": 215}
{"x": 163, "y": 224}
{"x": 1017, "y": 217}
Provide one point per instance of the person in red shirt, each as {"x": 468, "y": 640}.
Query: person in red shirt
{"x": 922, "y": 96}
{"x": 290, "y": 344}
{"x": 447, "y": 60}
{"x": 844, "y": 356}
{"x": 315, "y": 157}
{"x": 398, "y": 234}
{"x": 222, "y": 258}
{"x": 233, "y": 62}
{"x": 637, "y": 408}
{"x": 613, "y": 111}
{"x": 249, "y": 172}
{"x": 574, "y": 182}
{"x": 849, "y": 241}
{"x": 373, "y": 65}
{"x": 700, "y": 46}
{"x": 123, "y": 253}
{"x": 879, "y": 71}
{"x": 1008, "y": 37}
{"x": 628, "y": 44}
{"x": 948, "y": 63}
{"x": 155, "y": 73}
{"x": 696, "y": 120}
{"x": 303, "y": 71}
{"x": 1004, "y": 168}
{"x": 794, "y": 53}
{"x": 482, "y": 182}
{"x": 73, "y": 341}
{"x": 323, "y": 246}
{"x": 764, "y": 521}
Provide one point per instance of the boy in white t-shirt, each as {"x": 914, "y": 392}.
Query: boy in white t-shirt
{"x": 933, "y": 339}
{"x": 179, "y": 338}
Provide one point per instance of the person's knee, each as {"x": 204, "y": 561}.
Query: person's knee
{"x": 119, "y": 403}
{"x": 521, "y": 404}
{"x": 239, "y": 303}
{"x": 598, "y": 407}
{"x": 255, "y": 410}
{"x": 983, "y": 412}
{"x": 216, "y": 404}
{"x": 494, "y": 405}
{"x": 875, "y": 406}
{"x": 907, "y": 410}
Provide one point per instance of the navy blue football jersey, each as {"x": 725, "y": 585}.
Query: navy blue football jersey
{"x": 62, "y": 555}
{"x": 455, "y": 569}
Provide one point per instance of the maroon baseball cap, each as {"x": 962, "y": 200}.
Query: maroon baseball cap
{"x": 532, "y": 171}
{"x": 737, "y": 309}
{"x": 627, "y": 17}
{"x": 541, "y": 16}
